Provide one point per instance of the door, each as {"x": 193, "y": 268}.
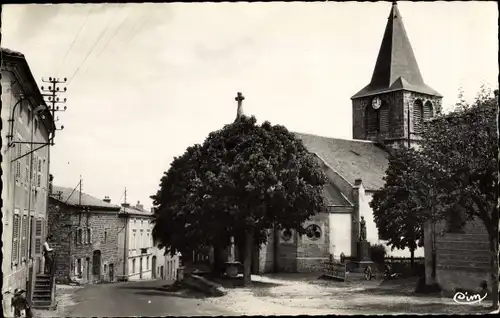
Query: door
{"x": 87, "y": 269}
{"x": 140, "y": 268}
{"x": 162, "y": 273}
{"x": 96, "y": 265}
{"x": 153, "y": 266}
{"x": 111, "y": 272}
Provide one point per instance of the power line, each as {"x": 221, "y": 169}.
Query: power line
{"x": 109, "y": 41}
{"x": 140, "y": 23}
{"x": 76, "y": 37}
{"x": 93, "y": 47}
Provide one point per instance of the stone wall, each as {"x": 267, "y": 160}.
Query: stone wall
{"x": 311, "y": 253}
{"x": 60, "y": 227}
{"x": 399, "y": 102}
{"x": 462, "y": 259}
{"x": 104, "y": 226}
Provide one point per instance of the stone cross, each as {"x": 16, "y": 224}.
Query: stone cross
{"x": 231, "y": 257}
{"x": 239, "y": 98}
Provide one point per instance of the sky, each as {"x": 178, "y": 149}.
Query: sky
{"x": 145, "y": 81}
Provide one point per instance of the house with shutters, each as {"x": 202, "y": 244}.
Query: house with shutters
{"x": 85, "y": 231}
{"x": 27, "y": 129}
{"x": 143, "y": 259}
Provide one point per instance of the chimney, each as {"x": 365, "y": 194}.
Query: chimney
{"x": 107, "y": 199}
{"x": 139, "y": 205}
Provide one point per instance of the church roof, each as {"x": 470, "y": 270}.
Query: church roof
{"x": 396, "y": 67}
{"x": 352, "y": 159}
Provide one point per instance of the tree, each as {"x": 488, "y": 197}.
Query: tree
{"x": 243, "y": 180}
{"x": 459, "y": 155}
{"x": 397, "y": 208}
{"x": 453, "y": 176}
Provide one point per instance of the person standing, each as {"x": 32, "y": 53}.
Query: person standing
{"x": 48, "y": 254}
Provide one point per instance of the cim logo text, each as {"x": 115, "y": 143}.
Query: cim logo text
{"x": 465, "y": 298}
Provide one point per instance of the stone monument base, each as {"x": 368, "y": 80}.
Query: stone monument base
{"x": 363, "y": 258}
{"x": 360, "y": 266}
{"x": 232, "y": 269}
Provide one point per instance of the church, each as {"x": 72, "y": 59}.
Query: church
{"x": 388, "y": 112}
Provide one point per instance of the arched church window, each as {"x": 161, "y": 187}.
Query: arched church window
{"x": 384, "y": 117}
{"x": 418, "y": 114}
{"x": 372, "y": 120}
{"x": 313, "y": 232}
{"x": 428, "y": 111}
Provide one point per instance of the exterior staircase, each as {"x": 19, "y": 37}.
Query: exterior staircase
{"x": 42, "y": 294}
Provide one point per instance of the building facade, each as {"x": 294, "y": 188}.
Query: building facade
{"x": 388, "y": 112}
{"x": 85, "y": 231}
{"x": 136, "y": 244}
{"x": 27, "y": 129}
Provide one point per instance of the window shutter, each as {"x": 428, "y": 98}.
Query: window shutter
{"x": 384, "y": 118}
{"x": 84, "y": 236}
{"x": 428, "y": 110}
{"x": 372, "y": 120}
{"x": 90, "y": 235}
{"x": 15, "y": 239}
{"x": 38, "y": 237}
{"x": 417, "y": 116}
{"x": 24, "y": 233}
{"x": 76, "y": 237}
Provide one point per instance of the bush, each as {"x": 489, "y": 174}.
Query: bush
{"x": 377, "y": 253}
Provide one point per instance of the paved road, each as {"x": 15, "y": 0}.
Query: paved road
{"x": 139, "y": 299}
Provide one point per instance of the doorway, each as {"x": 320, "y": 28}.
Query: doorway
{"x": 96, "y": 264}
{"x": 153, "y": 266}
{"x": 87, "y": 269}
{"x": 140, "y": 268}
{"x": 162, "y": 273}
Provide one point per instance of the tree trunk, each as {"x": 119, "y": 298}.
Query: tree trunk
{"x": 495, "y": 269}
{"x": 412, "y": 259}
{"x": 247, "y": 263}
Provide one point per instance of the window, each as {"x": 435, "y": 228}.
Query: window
{"x": 313, "y": 232}
{"x": 89, "y": 235}
{"x": 15, "y": 239}
{"x": 134, "y": 243}
{"x": 36, "y": 126}
{"x": 80, "y": 236}
{"x": 418, "y": 114}
{"x": 133, "y": 265}
{"x": 26, "y": 175}
{"x": 141, "y": 242}
{"x": 147, "y": 262}
{"x": 84, "y": 236}
{"x": 39, "y": 180}
{"x": 105, "y": 235}
{"x": 39, "y": 165}
{"x": 372, "y": 120}
{"x": 148, "y": 241}
{"x": 385, "y": 119}
{"x": 428, "y": 110}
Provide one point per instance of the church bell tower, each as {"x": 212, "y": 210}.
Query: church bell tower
{"x": 393, "y": 106}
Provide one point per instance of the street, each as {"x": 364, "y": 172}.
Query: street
{"x": 139, "y": 299}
